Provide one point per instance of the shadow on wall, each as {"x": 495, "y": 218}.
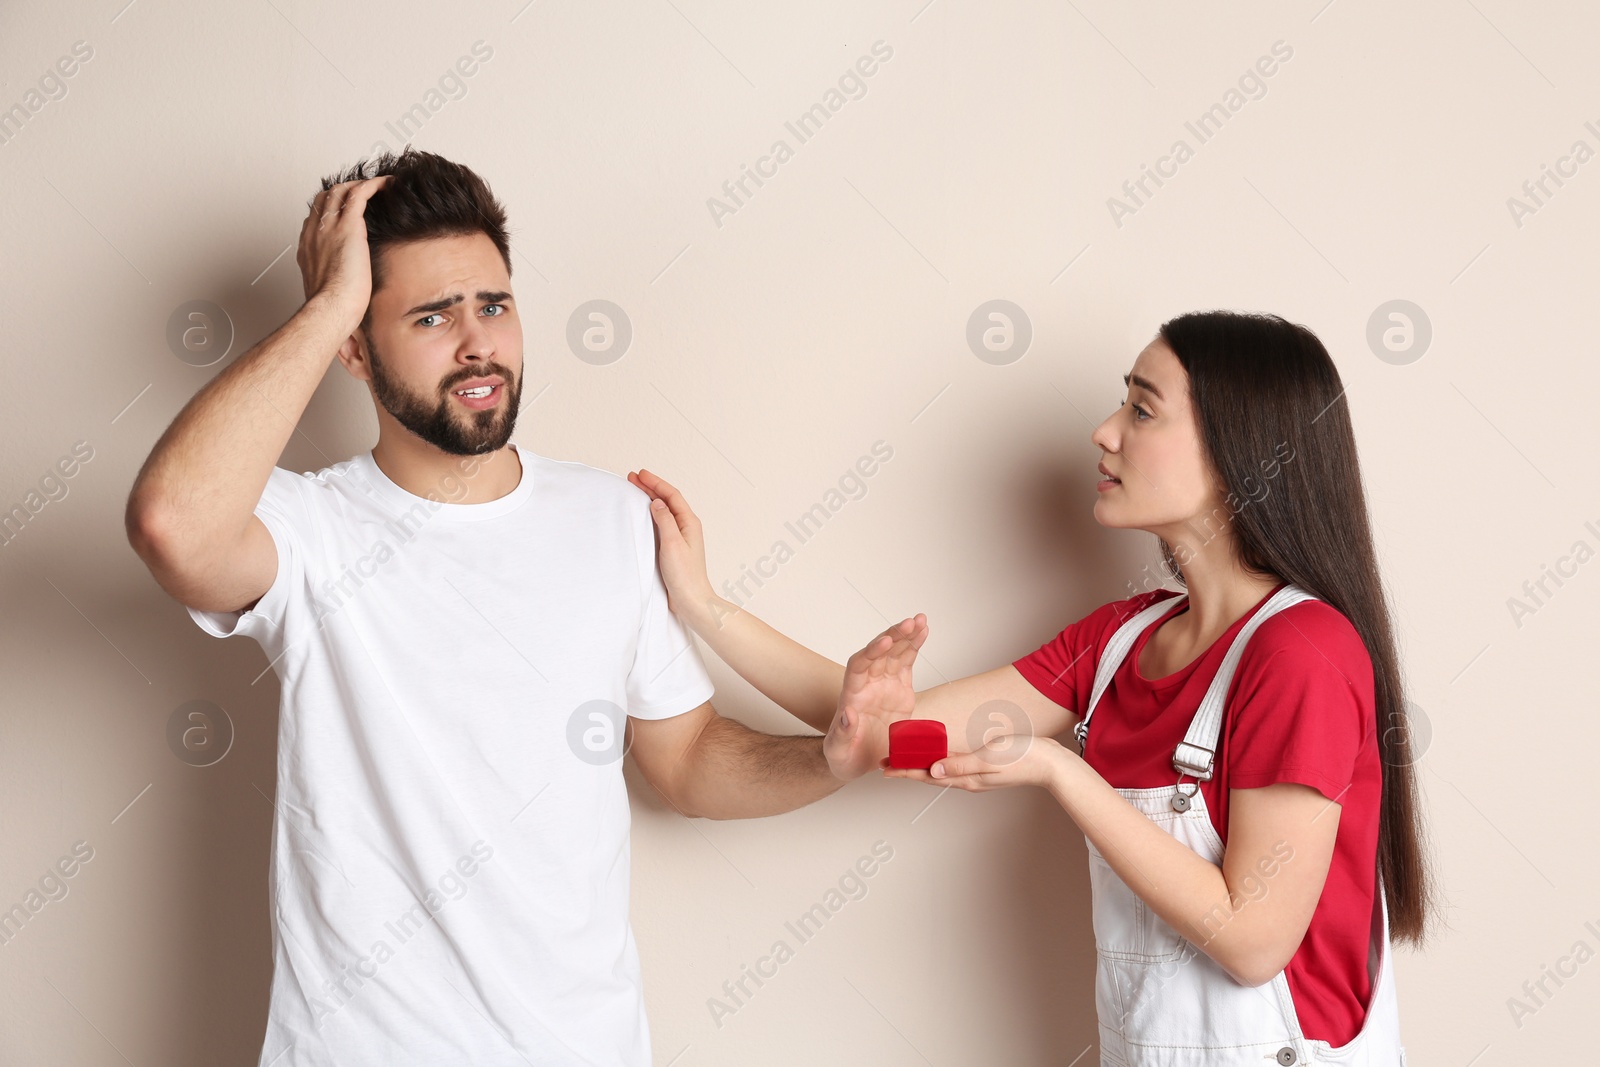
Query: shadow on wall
{"x": 178, "y": 878}
{"x": 1044, "y": 929}
{"x": 1080, "y": 563}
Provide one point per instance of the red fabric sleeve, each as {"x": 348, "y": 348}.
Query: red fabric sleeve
{"x": 1303, "y": 711}
{"x": 1063, "y": 667}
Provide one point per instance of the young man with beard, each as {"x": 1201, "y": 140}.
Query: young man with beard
{"x": 463, "y": 631}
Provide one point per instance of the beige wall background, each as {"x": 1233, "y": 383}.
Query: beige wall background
{"x": 827, "y": 312}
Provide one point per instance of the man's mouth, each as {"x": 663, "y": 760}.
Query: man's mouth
{"x": 481, "y": 393}
{"x": 480, "y": 397}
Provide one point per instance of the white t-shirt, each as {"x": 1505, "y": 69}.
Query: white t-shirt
{"x": 450, "y": 853}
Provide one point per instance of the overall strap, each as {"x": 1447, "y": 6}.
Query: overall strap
{"x": 1195, "y": 752}
{"x": 1115, "y": 651}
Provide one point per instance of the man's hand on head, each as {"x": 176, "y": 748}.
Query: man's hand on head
{"x": 335, "y": 260}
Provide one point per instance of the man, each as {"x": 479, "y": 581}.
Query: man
{"x": 463, "y": 633}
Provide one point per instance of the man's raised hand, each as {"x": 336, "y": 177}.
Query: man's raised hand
{"x": 877, "y": 690}
{"x": 334, "y": 257}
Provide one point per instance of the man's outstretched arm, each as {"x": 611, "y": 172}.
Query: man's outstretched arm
{"x": 708, "y": 766}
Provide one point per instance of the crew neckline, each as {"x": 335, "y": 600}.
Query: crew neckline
{"x": 1178, "y": 676}
{"x": 405, "y": 500}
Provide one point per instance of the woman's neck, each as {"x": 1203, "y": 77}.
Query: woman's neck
{"x": 1220, "y": 589}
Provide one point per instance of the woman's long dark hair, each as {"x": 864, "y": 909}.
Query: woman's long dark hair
{"x": 1264, "y": 389}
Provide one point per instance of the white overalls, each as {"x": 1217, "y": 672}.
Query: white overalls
{"x": 1161, "y": 1001}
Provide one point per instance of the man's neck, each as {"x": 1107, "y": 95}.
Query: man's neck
{"x": 426, "y": 471}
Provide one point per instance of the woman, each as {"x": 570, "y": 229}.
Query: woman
{"x": 1245, "y": 783}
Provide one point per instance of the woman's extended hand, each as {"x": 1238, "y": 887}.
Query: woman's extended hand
{"x": 1011, "y": 759}
{"x": 877, "y": 690}
{"x": 682, "y": 553}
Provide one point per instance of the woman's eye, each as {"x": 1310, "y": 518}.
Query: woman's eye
{"x": 1141, "y": 411}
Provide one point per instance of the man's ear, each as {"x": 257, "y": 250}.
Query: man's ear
{"x": 353, "y": 354}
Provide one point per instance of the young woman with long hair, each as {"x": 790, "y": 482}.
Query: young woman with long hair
{"x": 1239, "y": 758}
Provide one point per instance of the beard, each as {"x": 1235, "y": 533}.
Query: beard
{"x": 460, "y": 432}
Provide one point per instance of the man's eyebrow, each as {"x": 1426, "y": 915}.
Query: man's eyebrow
{"x": 1143, "y": 383}
{"x": 487, "y": 296}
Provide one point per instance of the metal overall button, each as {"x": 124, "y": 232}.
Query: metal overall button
{"x": 1182, "y": 801}
{"x": 1286, "y": 1056}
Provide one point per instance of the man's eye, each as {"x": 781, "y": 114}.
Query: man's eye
{"x": 502, "y": 308}
{"x": 425, "y": 318}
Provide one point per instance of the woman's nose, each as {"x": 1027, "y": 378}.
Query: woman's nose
{"x": 1104, "y": 435}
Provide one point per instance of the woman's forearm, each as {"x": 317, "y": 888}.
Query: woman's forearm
{"x": 800, "y": 681}
{"x": 1190, "y": 893}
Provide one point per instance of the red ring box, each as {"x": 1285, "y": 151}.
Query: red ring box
{"x": 917, "y": 743}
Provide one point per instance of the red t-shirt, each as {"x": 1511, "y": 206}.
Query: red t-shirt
{"x": 1300, "y": 709}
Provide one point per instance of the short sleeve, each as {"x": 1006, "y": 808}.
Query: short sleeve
{"x": 668, "y": 676}
{"x": 1063, "y": 667}
{"x": 1051, "y": 668}
{"x": 1302, "y": 713}
{"x": 285, "y": 510}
